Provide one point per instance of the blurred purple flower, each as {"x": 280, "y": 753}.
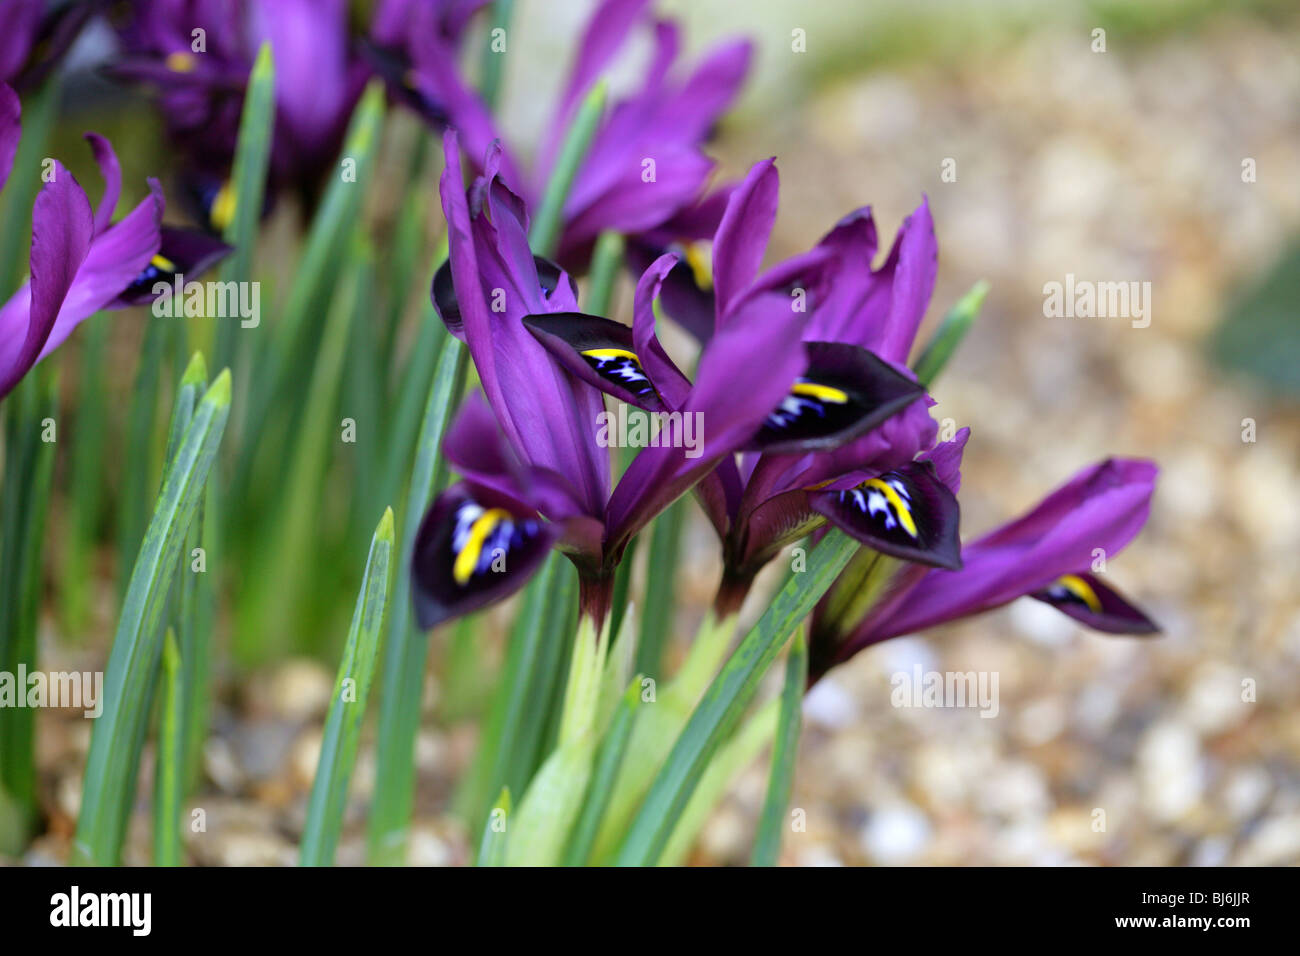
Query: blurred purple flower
{"x": 197, "y": 54}
{"x": 36, "y": 35}
{"x": 644, "y": 167}
{"x": 81, "y": 261}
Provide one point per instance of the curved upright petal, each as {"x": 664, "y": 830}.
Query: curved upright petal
{"x": 63, "y": 228}
{"x": 743, "y": 233}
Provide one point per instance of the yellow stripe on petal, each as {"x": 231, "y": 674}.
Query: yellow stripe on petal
{"x": 162, "y": 263}
{"x": 612, "y": 354}
{"x": 222, "y": 213}
{"x": 824, "y": 393}
{"x": 901, "y": 510}
{"x": 1082, "y": 590}
{"x": 467, "y": 559}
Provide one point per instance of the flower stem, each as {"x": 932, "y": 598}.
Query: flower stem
{"x": 493, "y": 59}
{"x": 546, "y": 815}
{"x": 605, "y": 261}
{"x": 544, "y": 235}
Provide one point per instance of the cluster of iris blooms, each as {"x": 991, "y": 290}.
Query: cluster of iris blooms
{"x": 811, "y": 417}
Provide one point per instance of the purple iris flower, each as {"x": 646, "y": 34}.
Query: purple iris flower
{"x": 81, "y": 261}
{"x": 1051, "y": 553}
{"x": 854, "y": 420}
{"x": 200, "y": 80}
{"x": 36, "y": 35}
{"x": 535, "y": 470}
{"x": 644, "y": 167}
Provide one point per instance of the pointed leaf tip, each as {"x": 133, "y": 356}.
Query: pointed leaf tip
{"x": 219, "y": 392}
{"x": 385, "y": 530}
{"x": 196, "y": 373}
{"x": 265, "y": 63}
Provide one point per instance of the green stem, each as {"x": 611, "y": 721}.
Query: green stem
{"x": 548, "y": 224}
{"x": 727, "y": 698}
{"x": 771, "y": 822}
{"x": 29, "y": 463}
{"x": 406, "y": 649}
{"x": 658, "y": 724}
{"x": 606, "y": 260}
{"x": 730, "y": 761}
{"x": 169, "y": 772}
{"x": 494, "y": 60}
{"x": 547, "y": 813}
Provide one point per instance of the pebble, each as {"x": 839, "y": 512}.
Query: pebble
{"x": 895, "y": 834}
{"x": 1169, "y": 770}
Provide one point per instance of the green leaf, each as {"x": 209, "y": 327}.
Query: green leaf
{"x": 327, "y": 242}
{"x": 657, "y": 727}
{"x": 403, "y": 437}
{"x": 606, "y": 262}
{"x": 622, "y": 590}
{"x": 492, "y": 847}
{"x": 604, "y": 772}
{"x": 138, "y": 479}
{"x": 277, "y": 593}
{"x": 24, "y": 503}
{"x": 771, "y": 822}
{"x": 493, "y": 60}
{"x": 726, "y": 765}
{"x": 548, "y": 224}
{"x": 347, "y": 709}
{"x": 248, "y": 182}
{"x": 169, "y": 768}
{"x": 513, "y": 740}
{"x": 86, "y": 494}
{"x": 953, "y": 329}
{"x": 108, "y": 789}
{"x": 402, "y": 279}
{"x": 407, "y": 648}
{"x": 726, "y": 698}
{"x": 1258, "y": 336}
{"x": 660, "y": 588}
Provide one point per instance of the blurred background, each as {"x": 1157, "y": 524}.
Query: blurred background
{"x": 1119, "y": 165}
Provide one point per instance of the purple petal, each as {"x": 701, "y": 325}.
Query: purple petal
{"x": 600, "y": 352}
{"x": 115, "y": 259}
{"x": 606, "y": 32}
{"x": 742, "y": 235}
{"x": 469, "y": 554}
{"x": 314, "y": 87}
{"x": 22, "y": 18}
{"x": 743, "y": 375}
{"x": 843, "y": 393}
{"x": 111, "y": 170}
{"x": 548, "y": 416}
{"x": 10, "y": 131}
{"x": 1095, "y": 604}
{"x": 912, "y": 264}
{"x": 709, "y": 92}
{"x": 907, "y": 513}
{"x": 610, "y": 193}
{"x": 671, "y": 383}
{"x": 62, "y": 230}
{"x": 1103, "y": 507}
